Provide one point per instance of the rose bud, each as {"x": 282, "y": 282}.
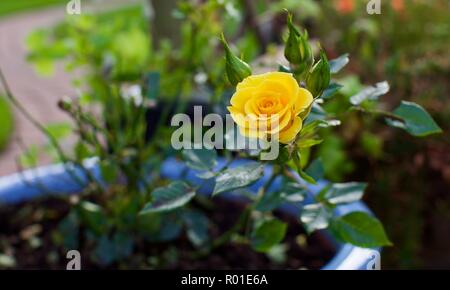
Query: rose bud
{"x": 319, "y": 77}
{"x": 297, "y": 50}
{"x": 236, "y": 69}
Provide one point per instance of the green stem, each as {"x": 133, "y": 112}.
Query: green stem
{"x": 40, "y": 127}
{"x": 380, "y": 112}
{"x": 276, "y": 170}
{"x": 226, "y": 237}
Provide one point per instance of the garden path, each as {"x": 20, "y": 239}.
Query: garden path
{"x": 38, "y": 94}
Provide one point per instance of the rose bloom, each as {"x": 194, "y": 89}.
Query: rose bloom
{"x": 270, "y": 104}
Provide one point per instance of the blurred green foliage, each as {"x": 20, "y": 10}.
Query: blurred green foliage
{"x": 112, "y": 40}
{"x": 409, "y": 47}
{"x": 6, "y": 122}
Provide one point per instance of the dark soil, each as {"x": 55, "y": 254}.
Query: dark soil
{"x": 27, "y": 234}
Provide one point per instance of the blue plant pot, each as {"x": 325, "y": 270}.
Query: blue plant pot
{"x": 54, "y": 180}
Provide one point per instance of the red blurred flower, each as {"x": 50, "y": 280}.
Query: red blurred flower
{"x": 344, "y": 6}
{"x": 398, "y": 5}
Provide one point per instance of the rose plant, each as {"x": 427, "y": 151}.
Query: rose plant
{"x": 133, "y": 206}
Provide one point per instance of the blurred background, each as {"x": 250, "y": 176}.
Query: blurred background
{"x": 407, "y": 45}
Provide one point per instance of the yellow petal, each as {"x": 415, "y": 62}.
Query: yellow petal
{"x": 286, "y": 79}
{"x": 238, "y": 117}
{"x": 303, "y": 100}
{"x": 273, "y": 108}
{"x": 281, "y": 124}
{"x": 269, "y": 117}
{"x": 251, "y": 108}
{"x": 252, "y": 133}
{"x": 276, "y": 123}
{"x": 251, "y": 81}
{"x": 240, "y": 98}
{"x": 290, "y": 132}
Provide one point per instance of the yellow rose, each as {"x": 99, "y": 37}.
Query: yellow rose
{"x": 270, "y": 104}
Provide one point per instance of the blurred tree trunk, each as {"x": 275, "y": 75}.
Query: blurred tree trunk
{"x": 163, "y": 25}
{"x": 251, "y": 21}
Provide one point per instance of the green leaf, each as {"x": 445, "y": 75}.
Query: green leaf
{"x": 30, "y": 157}
{"x": 93, "y": 217}
{"x": 370, "y": 93}
{"x": 304, "y": 154}
{"x": 59, "y": 130}
{"x": 200, "y": 159}
{"x": 109, "y": 250}
{"x": 82, "y": 151}
{"x": 197, "y": 227}
{"x": 206, "y": 174}
{"x": 330, "y": 91}
{"x": 318, "y": 110}
{"x": 7, "y": 122}
{"x": 278, "y": 253}
{"x": 270, "y": 201}
{"x": 316, "y": 169}
{"x": 351, "y": 85}
{"x": 297, "y": 161}
{"x": 69, "y": 229}
{"x": 315, "y": 217}
{"x": 36, "y": 40}
{"x": 340, "y": 193}
{"x": 372, "y": 144}
{"x": 170, "y": 230}
{"x": 293, "y": 192}
{"x": 268, "y": 234}
{"x": 168, "y": 198}
{"x": 44, "y": 67}
{"x": 416, "y": 120}
{"x": 306, "y": 143}
{"x": 109, "y": 171}
{"x": 283, "y": 68}
{"x": 123, "y": 245}
{"x": 148, "y": 225}
{"x": 104, "y": 251}
{"x": 160, "y": 227}
{"x": 360, "y": 229}
{"x": 238, "y": 177}
{"x": 338, "y": 63}
{"x": 305, "y": 176}
{"x": 290, "y": 192}
{"x": 153, "y": 85}
{"x": 312, "y": 126}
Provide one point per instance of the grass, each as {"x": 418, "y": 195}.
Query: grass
{"x": 13, "y": 6}
{"x": 6, "y": 122}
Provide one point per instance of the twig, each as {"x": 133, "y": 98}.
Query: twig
{"x": 380, "y": 112}
{"x": 38, "y": 125}
{"x": 252, "y": 20}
